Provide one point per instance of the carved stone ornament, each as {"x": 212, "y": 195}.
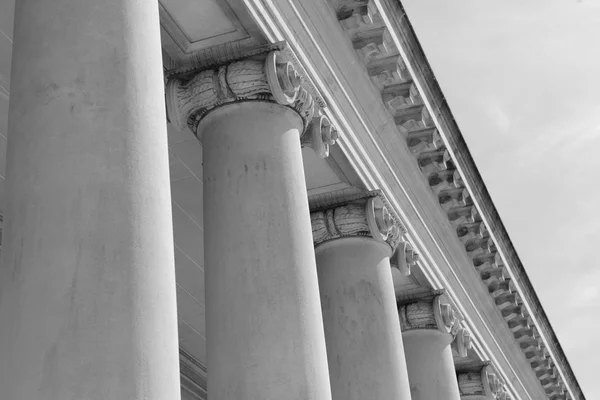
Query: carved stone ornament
{"x": 404, "y": 258}
{"x": 270, "y": 75}
{"x": 485, "y": 382}
{"x": 462, "y": 342}
{"x": 365, "y": 215}
{"x": 429, "y": 312}
{"x": 320, "y": 135}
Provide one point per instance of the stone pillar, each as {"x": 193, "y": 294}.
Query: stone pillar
{"x": 264, "y": 327}
{"x": 87, "y": 284}
{"x": 428, "y": 328}
{"x": 354, "y": 241}
{"x": 481, "y": 383}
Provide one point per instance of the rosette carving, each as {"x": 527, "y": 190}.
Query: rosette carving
{"x": 365, "y": 215}
{"x": 484, "y": 382}
{"x": 429, "y": 312}
{"x": 267, "y": 77}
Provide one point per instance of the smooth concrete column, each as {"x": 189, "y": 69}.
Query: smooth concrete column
{"x": 87, "y": 284}
{"x": 264, "y": 327}
{"x": 428, "y": 325}
{"x": 362, "y": 329}
{"x": 431, "y": 366}
{"x": 265, "y": 335}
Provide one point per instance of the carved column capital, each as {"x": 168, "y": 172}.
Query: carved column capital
{"x": 267, "y": 74}
{"x": 429, "y": 312}
{"x": 481, "y": 382}
{"x": 366, "y": 214}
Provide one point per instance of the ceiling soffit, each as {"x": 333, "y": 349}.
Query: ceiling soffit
{"x": 192, "y": 26}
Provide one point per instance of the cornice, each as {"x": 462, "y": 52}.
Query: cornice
{"x": 365, "y": 113}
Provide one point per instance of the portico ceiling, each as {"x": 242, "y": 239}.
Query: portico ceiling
{"x": 189, "y": 27}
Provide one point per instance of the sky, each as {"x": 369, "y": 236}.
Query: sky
{"x": 522, "y": 78}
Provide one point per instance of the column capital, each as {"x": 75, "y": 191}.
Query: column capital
{"x": 481, "y": 382}
{"x": 432, "y": 311}
{"x": 364, "y": 214}
{"x": 269, "y": 73}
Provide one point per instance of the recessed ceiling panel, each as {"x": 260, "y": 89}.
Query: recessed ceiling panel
{"x": 320, "y": 178}
{"x": 192, "y": 25}
{"x": 199, "y": 20}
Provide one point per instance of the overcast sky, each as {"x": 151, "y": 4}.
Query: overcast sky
{"x": 522, "y": 78}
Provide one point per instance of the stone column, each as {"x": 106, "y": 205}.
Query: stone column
{"x": 429, "y": 325}
{"x": 264, "y": 327}
{"x": 481, "y": 383}
{"x": 354, "y": 240}
{"x": 87, "y": 284}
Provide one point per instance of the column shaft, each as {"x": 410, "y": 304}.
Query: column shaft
{"x": 87, "y": 285}
{"x": 362, "y": 328}
{"x": 430, "y": 365}
{"x": 264, "y": 327}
